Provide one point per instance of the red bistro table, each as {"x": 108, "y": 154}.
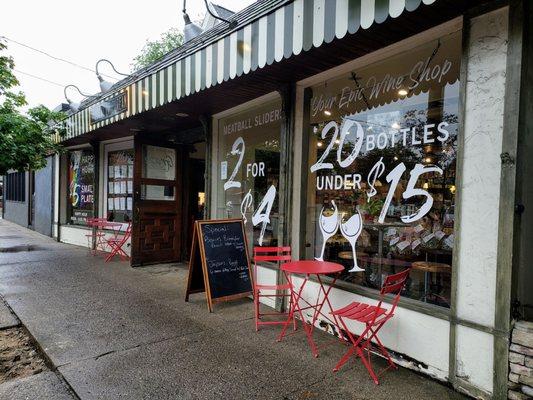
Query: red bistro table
{"x": 101, "y": 225}
{"x": 308, "y": 268}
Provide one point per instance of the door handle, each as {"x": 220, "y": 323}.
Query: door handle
{"x": 136, "y": 215}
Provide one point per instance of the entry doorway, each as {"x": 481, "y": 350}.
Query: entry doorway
{"x": 157, "y": 202}
{"x": 195, "y": 188}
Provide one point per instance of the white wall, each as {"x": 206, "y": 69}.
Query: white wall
{"x": 480, "y": 193}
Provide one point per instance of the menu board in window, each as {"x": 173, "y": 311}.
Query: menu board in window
{"x": 120, "y": 185}
{"x": 81, "y": 186}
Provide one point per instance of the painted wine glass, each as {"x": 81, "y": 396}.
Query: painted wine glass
{"x": 351, "y": 230}
{"x": 328, "y": 224}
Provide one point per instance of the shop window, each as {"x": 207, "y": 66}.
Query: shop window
{"x": 80, "y": 186}
{"x": 382, "y": 169}
{"x": 120, "y": 185}
{"x": 248, "y": 171}
{"x": 16, "y": 186}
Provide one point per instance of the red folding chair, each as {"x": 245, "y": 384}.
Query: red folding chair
{"x": 374, "y": 317}
{"x": 276, "y": 255}
{"x": 117, "y": 243}
{"x": 96, "y": 235}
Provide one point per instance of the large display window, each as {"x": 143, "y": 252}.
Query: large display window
{"x": 248, "y": 170}
{"x": 80, "y": 186}
{"x": 382, "y": 168}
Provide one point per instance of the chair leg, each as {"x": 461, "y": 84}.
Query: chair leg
{"x": 256, "y": 310}
{"x": 344, "y": 358}
{"x": 368, "y": 365}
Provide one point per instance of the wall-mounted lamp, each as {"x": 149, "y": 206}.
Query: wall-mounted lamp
{"x": 105, "y": 85}
{"x": 232, "y": 24}
{"x": 74, "y": 106}
{"x": 191, "y": 30}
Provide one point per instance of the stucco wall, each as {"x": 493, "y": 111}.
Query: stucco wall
{"x": 480, "y": 193}
{"x": 43, "y": 199}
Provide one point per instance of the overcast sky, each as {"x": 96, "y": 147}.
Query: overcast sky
{"x": 83, "y": 32}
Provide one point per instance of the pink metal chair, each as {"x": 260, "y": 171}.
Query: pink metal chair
{"x": 117, "y": 243}
{"x": 374, "y": 317}
{"x": 276, "y": 255}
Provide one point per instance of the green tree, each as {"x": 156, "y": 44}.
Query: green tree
{"x": 153, "y": 50}
{"x": 25, "y": 139}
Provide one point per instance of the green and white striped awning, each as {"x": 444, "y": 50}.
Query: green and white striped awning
{"x": 285, "y": 29}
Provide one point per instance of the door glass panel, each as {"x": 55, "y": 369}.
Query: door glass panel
{"x": 159, "y": 163}
{"x": 157, "y": 192}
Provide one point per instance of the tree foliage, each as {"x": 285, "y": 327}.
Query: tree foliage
{"x": 25, "y": 139}
{"x": 153, "y": 50}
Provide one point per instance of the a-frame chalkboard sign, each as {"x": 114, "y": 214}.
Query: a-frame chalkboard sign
{"x": 219, "y": 263}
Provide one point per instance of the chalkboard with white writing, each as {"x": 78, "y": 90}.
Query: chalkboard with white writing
{"x": 219, "y": 248}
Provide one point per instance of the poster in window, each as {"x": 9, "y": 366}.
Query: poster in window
{"x": 81, "y": 186}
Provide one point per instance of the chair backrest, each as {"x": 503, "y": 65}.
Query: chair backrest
{"x": 272, "y": 254}
{"x": 394, "y": 285}
{"x": 277, "y": 255}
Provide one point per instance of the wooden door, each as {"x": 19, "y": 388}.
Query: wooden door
{"x": 157, "y": 219}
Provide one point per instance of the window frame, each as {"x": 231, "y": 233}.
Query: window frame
{"x": 302, "y": 121}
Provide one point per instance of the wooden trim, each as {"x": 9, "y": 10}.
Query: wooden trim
{"x": 463, "y": 77}
{"x": 507, "y": 223}
{"x": 287, "y": 94}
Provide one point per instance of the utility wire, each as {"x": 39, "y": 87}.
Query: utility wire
{"x": 38, "y": 77}
{"x": 54, "y": 57}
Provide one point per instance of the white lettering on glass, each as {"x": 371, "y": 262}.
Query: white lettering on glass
{"x": 320, "y": 164}
{"x": 377, "y": 170}
{"x": 346, "y": 125}
{"x": 262, "y": 214}
{"x": 393, "y": 178}
{"x": 411, "y": 191}
{"x": 237, "y": 148}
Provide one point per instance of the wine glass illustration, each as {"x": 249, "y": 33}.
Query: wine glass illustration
{"x": 328, "y": 226}
{"x": 351, "y": 230}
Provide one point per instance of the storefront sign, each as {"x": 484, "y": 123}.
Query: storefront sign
{"x": 254, "y": 121}
{"x": 108, "y": 108}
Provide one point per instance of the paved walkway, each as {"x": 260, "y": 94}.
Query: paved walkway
{"x": 117, "y": 332}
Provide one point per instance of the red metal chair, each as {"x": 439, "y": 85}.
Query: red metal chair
{"x": 116, "y": 244}
{"x": 276, "y": 255}
{"x": 374, "y": 317}
{"x": 96, "y": 235}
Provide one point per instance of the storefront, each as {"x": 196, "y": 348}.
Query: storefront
{"x": 379, "y": 135}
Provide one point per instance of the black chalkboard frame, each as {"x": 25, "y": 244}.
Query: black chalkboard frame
{"x": 198, "y": 256}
